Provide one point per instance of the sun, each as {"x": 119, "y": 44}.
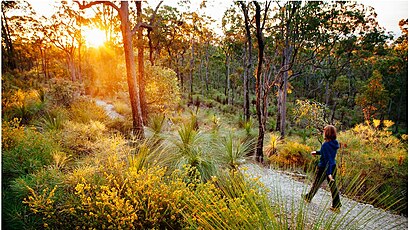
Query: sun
{"x": 94, "y": 37}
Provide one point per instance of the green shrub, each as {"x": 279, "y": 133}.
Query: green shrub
{"x": 52, "y": 120}
{"x": 85, "y": 110}
{"x": 291, "y": 154}
{"x": 379, "y": 157}
{"x": 23, "y": 105}
{"x": 137, "y": 199}
{"x": 234, "y": 152}
{"x": 81, "y": 138}
{"x": 24, "y": 150}
{"x": 162, "y": 89}
{"x": 122, "y": 126}
{"x": 63, "y": 92}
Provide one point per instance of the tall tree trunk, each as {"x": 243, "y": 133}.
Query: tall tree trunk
{"x": 201, "y": 65}
{"x": 71, "y": 66}
{"x": 259, "y": 84}
{"x": 284, "y": 91}
{"x": 248, "y": 64}
{"x": 133, "y": 88}
{"x": 191, "y": 70}
{"x": 227, "y": 73}
{"x": 11, "y": 59}
{"x": 141, "y": 74}
{"x": 207, "y": 68}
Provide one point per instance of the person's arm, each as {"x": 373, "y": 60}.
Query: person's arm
{"x": 316, "y": 152}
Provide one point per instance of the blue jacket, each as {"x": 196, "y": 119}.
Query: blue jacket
{"x": 327, "y": 155}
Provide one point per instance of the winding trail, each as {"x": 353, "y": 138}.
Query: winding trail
{"x": 353, "y": 215}
{"x": 109, "y": 109}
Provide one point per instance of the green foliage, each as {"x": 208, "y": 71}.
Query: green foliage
{"x": 229, "y": 201}
{"x": 291, "y": 155}
{"x": 373, "y": 97}
{"x": 80, "y": 138}
{"x": 85, "y": 110}
{"x": 24, "y": 150}
{"x": 63, "y": 92}
{"x": 162, "y": 90}
{"x": 52, "y": 120}
{"x": 156, "y": 123}
{"x": 191, "y": 148}
{"x": 23, "y": 104}
{"x": 376, "y": 155}
{"x": 272, "y": 147}
{"x": 310, "y": 114}
{"x": 234, "y": 151}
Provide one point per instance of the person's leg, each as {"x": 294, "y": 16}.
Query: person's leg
{"x": 319, "y": 178}
{"x": 334, "y": 190}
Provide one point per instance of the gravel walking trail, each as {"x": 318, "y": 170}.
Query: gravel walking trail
{"x": 109, "y": 109}
{"x": 354, "y": 215}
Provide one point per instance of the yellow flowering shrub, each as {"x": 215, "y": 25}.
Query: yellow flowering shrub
{"x": 134, "y": 200}
{"x": 229, "y": 202}
{"x": 81, "y": 137}
{"x": 148, "y": 199}
{"x": 11, "y": 132}
{"x": 291, "y": 153}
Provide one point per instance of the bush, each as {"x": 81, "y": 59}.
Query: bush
{"x": 24, "y": 150}
{"x": 23, "y": 104}
{"x": 371, "y": 151}
{"x": 63, "y": 92}
{"x": 291, "y": 154}
{"x": 52, "y": 120}
{"x": 85, "y": 110}
{"x": 162, "y": 89}
{"x": 80, "y": 138}
{"x": 142, "y": 199}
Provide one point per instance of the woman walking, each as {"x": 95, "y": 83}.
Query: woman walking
{"x": 327, "y": 168}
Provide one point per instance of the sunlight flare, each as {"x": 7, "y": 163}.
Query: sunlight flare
{"x": 94, "y": 37}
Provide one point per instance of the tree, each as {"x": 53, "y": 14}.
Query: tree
{"x": 127, "y": 33}
{"x": 248, "y": 63}
{"x": 373, "y": 98}
{"x": 63, "y": 31}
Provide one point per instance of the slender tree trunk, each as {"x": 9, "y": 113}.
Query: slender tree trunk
{"x": 207, "y": 68}
{"x": 133, "y": 88}
{"x": 11, "y": 60}
{"x": 191, "y": 69}
{"x": 248, "y": 64}
{"x": 259, "y": 84}
{"x": 71, "y": 66}
{"x": 227, "y": 73}
{"x": 284, "y": 92}
{"x": 201, "y": 66}
{"x": 141, "y": 74}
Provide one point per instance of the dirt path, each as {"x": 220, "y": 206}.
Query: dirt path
{"x": 109, "y": 109}
{"x": 353, "y": 215}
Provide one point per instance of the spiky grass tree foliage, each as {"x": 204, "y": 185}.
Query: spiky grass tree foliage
{"x": 234, "y": 151}
{"x": 191, "y": 147}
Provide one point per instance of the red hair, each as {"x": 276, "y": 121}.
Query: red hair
{"x": 330, "y": 133}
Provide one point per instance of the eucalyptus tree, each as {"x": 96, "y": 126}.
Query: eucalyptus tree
{"x": 62, "y": 29}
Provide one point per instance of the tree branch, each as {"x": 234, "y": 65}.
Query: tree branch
{"x": 88, "y": 5}
{"x": 141, "y": 24}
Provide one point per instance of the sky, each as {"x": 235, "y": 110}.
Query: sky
{"x": 389, "y": 12}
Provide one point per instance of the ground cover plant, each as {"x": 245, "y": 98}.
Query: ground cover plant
{"x": 126, "y": 115}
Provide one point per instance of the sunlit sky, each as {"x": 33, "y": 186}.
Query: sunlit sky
{"x": 389, "y": 11}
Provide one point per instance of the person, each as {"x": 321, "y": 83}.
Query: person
{"x": 326, "y": 168}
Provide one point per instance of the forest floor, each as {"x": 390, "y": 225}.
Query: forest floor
{"x": 353, "y": 215}
{"x": 288, "y": 190}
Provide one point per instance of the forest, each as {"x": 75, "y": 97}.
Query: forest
{"x": 143, "y": 115}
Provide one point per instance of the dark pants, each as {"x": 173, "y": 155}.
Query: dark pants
{"x": 319, "y": 178}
